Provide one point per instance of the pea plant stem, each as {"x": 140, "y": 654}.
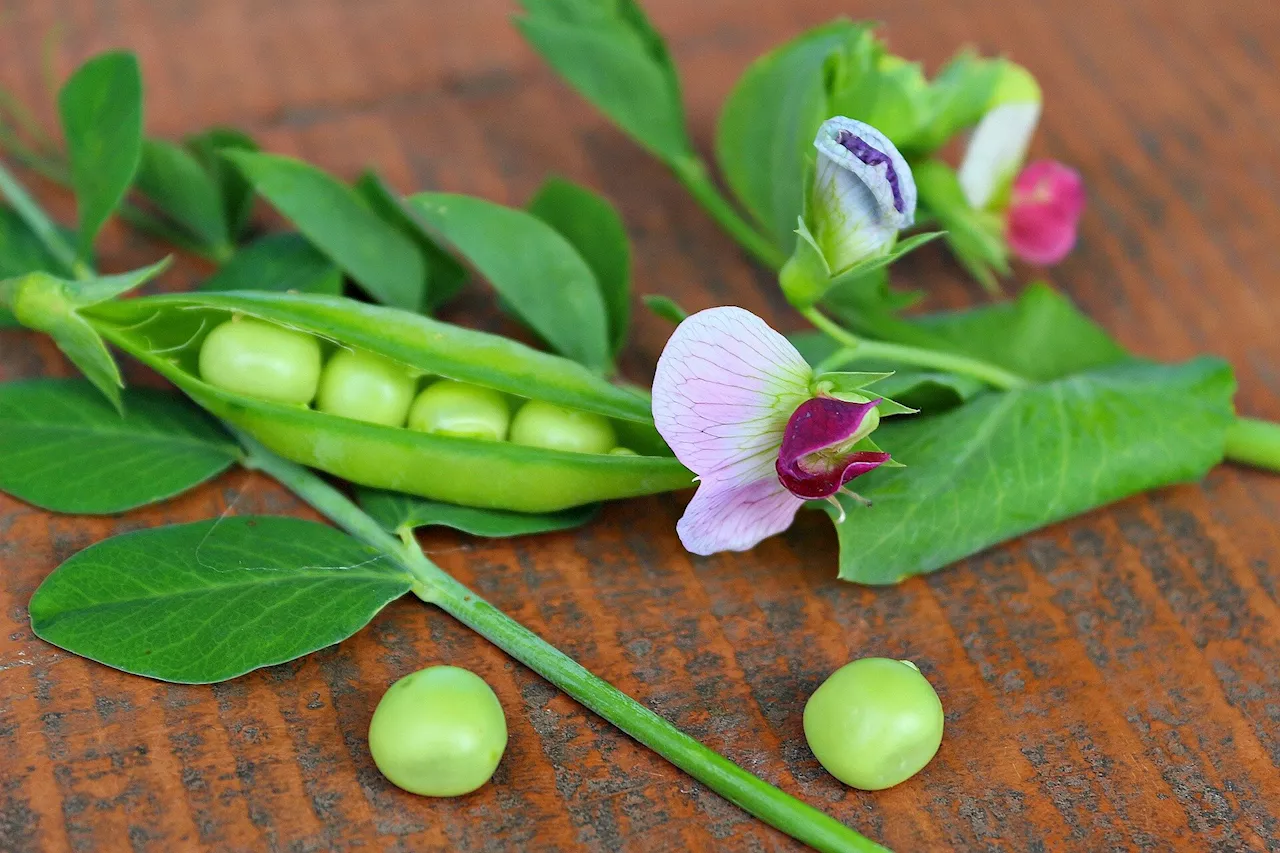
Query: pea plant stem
{"x": 1254, "y": 442}
{"x": 41, "y": 225}
{"x": 693, "y": 174}
{"x": 435, "y": 586}
{"x": 856, "y": 347}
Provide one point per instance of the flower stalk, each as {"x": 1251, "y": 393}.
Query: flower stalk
{"x": 697, "y": 180}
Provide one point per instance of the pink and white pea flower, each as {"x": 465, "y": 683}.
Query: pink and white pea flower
{"x": 735, "y": 401}
{"x": 1045, "y": 205}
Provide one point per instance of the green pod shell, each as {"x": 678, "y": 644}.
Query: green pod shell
{"x": 166, "y": 333}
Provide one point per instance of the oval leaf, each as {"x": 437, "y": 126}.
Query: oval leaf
{"x": 204, "y": 602}
{"x": 67, "y": 450}
{"x": 278, "y": 262}
{"x": 378, "y": 257}
{"x": 534, "y": 269}
{"x": 101, "y": 110}
{"x": 175, "y": 182}
{"x": 593, "y": 227}
{"x": 396, "y": 511}
{"x": 764, "y": 136}
{"x": 236, "y": 192}
{"x": 615, "y": 59}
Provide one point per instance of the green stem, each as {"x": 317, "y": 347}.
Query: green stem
{"x": 41, "y": 225}
{"x": 802, "y": 822}
{"x": 693, "y": 174}
{"x": 1254, "y": 442}
{"x": 856, "y": 347}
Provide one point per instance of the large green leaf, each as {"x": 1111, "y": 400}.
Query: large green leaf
{"x": 334, "y": 218}
{"x": 535, "y": 270}
{"x": 610, "y": 53}
{"x": 1005, "y": 464}
{"x": 204, "y": 602}
{"x": 176, "y": 183}
{"x": 234, "y": 190}
{"x": 766, "y": 129}
{"x": 67, "y": 450}
{"x": 593, "y": 227}
{"x": 445, "y": 276}
{"x": 396, "y": 511}
{"x": 101, "y": 110}
{"x": 278, "y": 262}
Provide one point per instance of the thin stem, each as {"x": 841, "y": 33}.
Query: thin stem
{"x": 41, "y": 225}
{"x": 1254, "y": 442}
{"x": 693, "y": 174}
{"x": 434, "y": 585}
{"x": 856, "y": 347}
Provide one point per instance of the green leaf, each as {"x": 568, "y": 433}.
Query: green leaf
{"x": 21, "y": 251}
{"x": 610, "y": 53}
{"x": 204, "y": 602}
{"x": 396, "y": 512}
{"x": 975, "y": 237}
{"x": 765, "y": 133}
{"x": 67, "y": 450}
{"x": 236, "y": 192}
{"x": 1005, "y": 464}
{"x": 175, "y": 182}
{"x": 278, "y": 262}
{"x": 101, "y": 109}
{"x": 445, "y": 276}
{"x": 665, "y": 307}
{"x": 593, "y": 227}
{"x": 337, "y": 221}
{"x": 532, "y": 267}
{"x": 958, "y": 98}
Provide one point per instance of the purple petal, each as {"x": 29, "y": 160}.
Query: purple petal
{"x": 727, "y": 515}
{"x": 817, "y": 425}
{"x": 725, "y": 386}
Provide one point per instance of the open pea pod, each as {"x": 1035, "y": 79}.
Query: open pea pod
{"x": 166, "y": 333}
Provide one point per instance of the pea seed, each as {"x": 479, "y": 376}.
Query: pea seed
{"x": 439, "y": 732}
{"x": 365, "y": 387}
{"x": 623, "y": 451}
{"x": 874, "y": 723}
{"x": 261, "y": 360}
{"x": 551, "y": 427}
{"x": 461, "y": 410}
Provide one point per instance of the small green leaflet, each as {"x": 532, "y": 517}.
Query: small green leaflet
{"x": 337, "y": 222}
{"x": 765, "y": 133}
{"x": 236, "y": 192}
{"x": 1005, "y": 464}
{"x": 396, "y": 512}
{"x": 665, "y": 307}
{"x": 445, "y": 276}
{"x": 534, "y": 269}
{"x": 204, "y": 602}
{"x": 280, "y": 262}
{"x": 67, "y": 450}
{"x": 101, "y": 110}
{"x": 176, "y": 183}
{"x": 614, "y": 57}
{"x": 593, "y": 227}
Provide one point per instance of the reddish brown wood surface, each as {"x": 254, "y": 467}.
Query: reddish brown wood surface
{"x": 1110, "y": 683}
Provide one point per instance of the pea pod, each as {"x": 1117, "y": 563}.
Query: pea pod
{"x": 167, "y": 332}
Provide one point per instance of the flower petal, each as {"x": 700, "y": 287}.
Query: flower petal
{"x": 821, "y": 424}
{"x": 725, "y": 386}
{"x": 996, "y": 151}
{"x": 728, "y": 515}
{"x": 1044, "y": 211}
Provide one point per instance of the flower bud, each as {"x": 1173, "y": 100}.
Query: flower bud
{"x": 999, "y": 143}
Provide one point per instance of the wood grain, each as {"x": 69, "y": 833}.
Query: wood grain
{"x": 1110, "y": 683}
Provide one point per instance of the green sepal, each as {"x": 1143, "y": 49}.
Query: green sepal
{"x": 975, "y": 237}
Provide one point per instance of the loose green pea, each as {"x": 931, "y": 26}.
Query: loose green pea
{"x": 262, "y": 360}
{"x": 874, "y": 723}
{"x": 461, "y": 410}
{"x": 439, "y": 732}
{"x": 366, "y": 387}
{"x": 540, "y": 424}
{"x": 623, "y": 451}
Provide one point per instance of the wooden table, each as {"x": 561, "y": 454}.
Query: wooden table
{"x": 1110, "y": 683}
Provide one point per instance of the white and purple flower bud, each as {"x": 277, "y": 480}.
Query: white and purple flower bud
{"x": 863, "y": 193}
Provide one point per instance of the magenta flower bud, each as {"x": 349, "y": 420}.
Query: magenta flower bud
{"x": 1044, "y": 212}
